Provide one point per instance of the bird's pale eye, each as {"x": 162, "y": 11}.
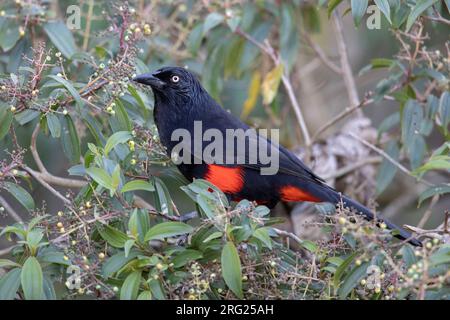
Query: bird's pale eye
{"x": 175, "y": 79}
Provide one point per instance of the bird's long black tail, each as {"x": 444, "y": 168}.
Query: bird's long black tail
{"x": 399, "y": 232}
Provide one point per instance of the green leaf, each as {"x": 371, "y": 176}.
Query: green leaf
{"x": 69, "y": 140}
{"x": 332, "y": 4}
{"x": 233, "y": 23}
{"x": 116, "y": 262}
{"x": 195, "y": 38}
{"x": 384, "y": 7}
{"x": 359, "y": 8}
{"x": 444, "y": 110}
{"x": 32, "y": 279}
{"x": 441, "y": 256}
{"x": 432, "y": 191}
{"x": 9, "y": 34}
{"x": 263, "y": 235}
{"x": 130, "y": 287}
{"x": 212, "y": 20}
{"x": 33, "y": 222}
{"x": 167, "y": 229}
{"x": 34, "y": 237}
{"x": 114, "y": 237}
{"x": 137, "y": 96}
{"x": 412, "y": 122}
{"x": 69, "y": 88}
{"x": 408, "y": 255}
{"x": 115, "y": 139}
{"x": 309, "y": 245}
{"x": 352, "y": 280}
{"x": 101, "y": 177}
{"x": 212, "y": 236}
{"x": 61, "y": 37}
{"x": 417, "y": 10}
{"x": 6, "y": 117}
{"x": 9, "y": 284}
{"x": 120, "y": 120}
{"x": 231, "y": 269}
{"x": 387, "y": 169}
{"x": 341, "y": 269}
{"x": 54, "y": 125}
{"x": 417, "y": 151}
{"x": 138, "y": 185}
{"x": 271, "y": 83}
{"x": 53, "y": 257}
{"x": 447, "y": 4}
{"x": 49, "y": 289}
{"x": 20, "y": 194}
{"x": 157, "y": 289}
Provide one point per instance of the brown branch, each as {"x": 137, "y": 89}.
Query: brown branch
{"x": 426, "y": 216}
{"x": 340, "y": 116}
{"x": 347, "y": 73}
{"x": 6, "y": 250}
{"x": 289, "y": 235}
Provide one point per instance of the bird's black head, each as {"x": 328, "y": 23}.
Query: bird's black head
{"x": 174, "y": 83}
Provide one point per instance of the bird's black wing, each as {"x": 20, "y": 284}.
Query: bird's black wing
{"x": 289, "y": 163}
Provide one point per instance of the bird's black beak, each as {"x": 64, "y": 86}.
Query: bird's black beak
{"x": 150, "y": 80}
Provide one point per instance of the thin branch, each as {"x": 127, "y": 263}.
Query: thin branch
{"x": 347, "y": 73}
{"x": 388, "y": 157}
{"x": 6, "y": 250}
{"x": 33, "y": 149}
{"x": 340, "y": 116}
{"x": 44, "y": 183}
{"x": 322, "y": 55}
{"x": 352, "y": 167}
{"x": 10, "y": 210}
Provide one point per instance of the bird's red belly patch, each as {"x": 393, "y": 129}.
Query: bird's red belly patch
{"x": 229, "y": 180}
{"x": 291, "y": 193}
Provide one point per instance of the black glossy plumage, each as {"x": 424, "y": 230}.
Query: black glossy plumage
{"x": 179, "y": 103}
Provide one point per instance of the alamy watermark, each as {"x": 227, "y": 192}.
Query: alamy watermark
{"x": 232, "y": 147}
{"x": 374, "y": 19}
{"x": 74, "y": 277}
{"x": 73, "y": 20}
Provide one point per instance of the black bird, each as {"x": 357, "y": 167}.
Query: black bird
{"x": 180, "y": 101}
